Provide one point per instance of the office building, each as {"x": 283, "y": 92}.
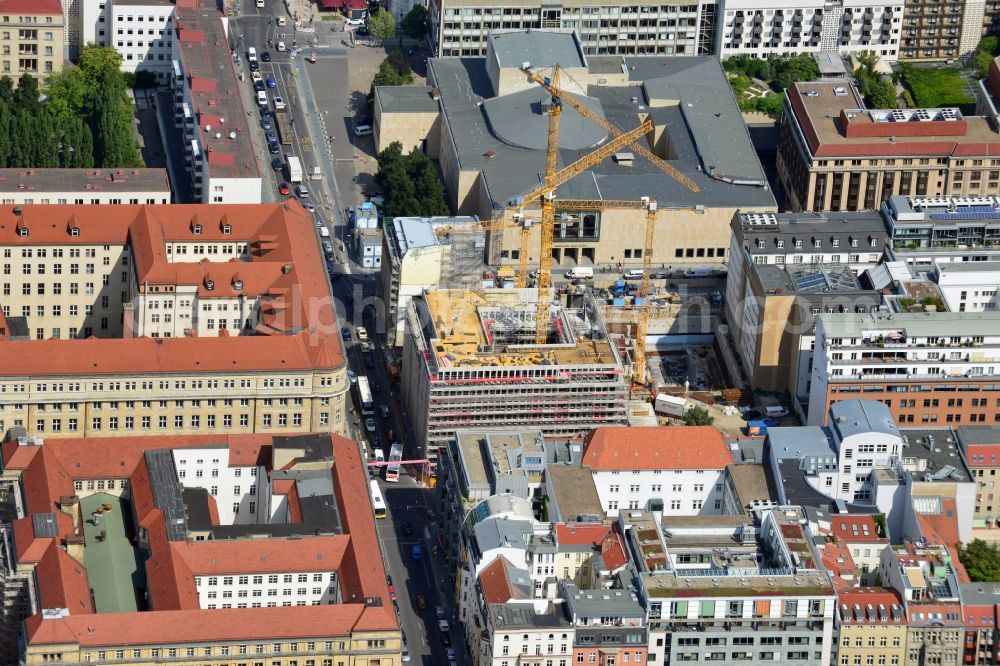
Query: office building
{"x": 421, "y": 253}
{"x": 135, "y": 559}
{"x": 835, "y": 154}
{"x": 669, "y": 470}
{"x": 208, "y": 108}
{"x": 981, "y": 450}
{"x": 724, "y": 592}
{"x": 871, "y": 624}
{"x": 492, "y": 148}
{"x": 141, "y": 31}
{"x": 784, "y": 269}
{"x": 31, "y": 38}
{"x": 470, "y": 361}
{"x": 167, "y": 319}
{"x": 781, "y": 27}
{"x": 928, "y": 368}
{"x": 926, "y": 231}
{"x": 84, "y": 186}
{"x": 969, "y": 286}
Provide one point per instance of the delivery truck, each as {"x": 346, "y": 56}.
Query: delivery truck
{"x": 670, "y": 405}
{"x": 580, "y": 273}
{"x": 294, "y": 169}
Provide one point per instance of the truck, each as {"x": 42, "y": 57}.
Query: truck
{"x": 284, "y": 124}
{"x": 580, "y": 273}
{"x": 294, "y": 169}
{"x": 669, "y": 405}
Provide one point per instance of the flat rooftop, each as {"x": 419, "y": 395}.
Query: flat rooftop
{"x": 406, "y": 99}
{"x": 797, "y": 585}
{"x": 811, "y": 281}
{"x": 416, "y": 233}
{"x": 689, "y": 96}
{"x": 512, "y": 616}
{"x": 208, "y": 64}
{"x": 969, "y": 267}
{"x": 491, "y": 453}
{"x": 83, "y": 182}
{"x": 940, "y": 451}
{"x": 575, "y": 492}
{"x": 467, "y": 322}
{"x": 115, "y": 568}
{"x": 822, "y": 107}
{"x": 915, "y": 325}
{"x": 750, "y": 482}
{"x": 942, "y": 211}
{"x": 535, "y": 46}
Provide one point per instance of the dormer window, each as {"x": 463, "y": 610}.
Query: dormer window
{"x": 196, "y": 229}
{"x": 227, "y": 229}
{"x": 781, "y": 242}
{"x": 23, "y": 232}
{"x": 874, "y": 242}
{"x": 760, "y": 243}
{"x": 238, "y": 285}
{"x": 209, "y": 285}
{"x": 836, "y": 242}
{"x": 798, "y": 243}
{"x": 74, "y": 231}
{"x": 854, "y": 242}
{"x": 817, "y": 242}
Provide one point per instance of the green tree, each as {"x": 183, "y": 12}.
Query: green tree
{"x": 771, "y": 105}
{"x": 882, "y": 94}
{"x": 414, "y": 24}
{"x": 410, "y": 183}
{"x": 382, "y": 25}
{"x": 394, "y": 71}
{"x": 981, "y": 561}
{"x": 698, "y": 416}
{"x": 100, "y": 64}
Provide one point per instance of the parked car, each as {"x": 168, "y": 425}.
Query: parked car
{"x": 273, "y": 147}
{"x": 346, "y": 332}
{"x": 265, "y": 56}
{"x": 271, "y": 83}
{"x": 284, "y": 189}
{"x": 271, "y": 135}
{"x": 659, "y": 275}
{"x": 416, "y": 552}
{"x": 277, "y": 164}
{"x": 309, "y": 206}
{"x": 279, "y": 104}
{"x": 266, "y": 123}
{"x": 370, "y": 424}
{"x": 383, "y": 411}
{"x": 351, "y": 375}
{"x": 255, "y": 77}
{"x": 258, "y": 86}
{"x": 421, "y": 602}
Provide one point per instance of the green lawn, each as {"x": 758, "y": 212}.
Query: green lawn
{"x": 937, "y": 87}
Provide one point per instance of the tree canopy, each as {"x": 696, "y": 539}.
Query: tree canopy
{"x": 410, "y": 183}
{"x": 981, "y": 561}
{"x": 394, "y": 71}
{"x": 987, "y": 49}
{"x": 32, "y": 135}
{"x": 698, "y": 416}
{"x": 382, "y": 25}
{"x": 879, "y": 91}
{"x": 415, "y": 23}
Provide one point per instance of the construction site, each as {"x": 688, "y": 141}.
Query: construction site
{"x": 471, "y": 360}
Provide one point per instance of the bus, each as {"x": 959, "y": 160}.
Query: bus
{"x": 392, "y": 469}
{"x": 365, "y": 396}
{"x": 377, "y": 502}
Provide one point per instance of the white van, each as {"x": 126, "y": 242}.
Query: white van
{"x": 324, "y": 232}
{"x": 580, "y": 273}
{"x": 698, "y": 272}
{"x": 281, "y": 46}
{"x": 363, "y": 130}
{"x": 260, "y": 3}
{"x": 261, "y": 98}
{"x": 633, "y": 274}
{"x": 252, "y": 54}
{"x": 775, "y": 412}
{"x": 379, "y": 455}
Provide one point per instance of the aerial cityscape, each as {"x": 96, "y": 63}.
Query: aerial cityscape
{"x": 376, "y": 332}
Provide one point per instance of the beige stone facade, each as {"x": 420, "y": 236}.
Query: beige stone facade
{"x": 31, "y": 38}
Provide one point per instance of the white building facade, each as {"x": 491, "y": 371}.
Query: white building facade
{"x": 241, "y": 492}
{"x": 969, "y": 286}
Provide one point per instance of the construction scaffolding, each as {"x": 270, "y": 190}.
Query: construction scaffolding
{"x": 464, "y": 263}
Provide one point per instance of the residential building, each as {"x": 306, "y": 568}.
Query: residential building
{"x": 942, "y": 487}
{"x": 865, "y": 539}
{"x": 141, "y": 31}
{"x": 31, "y": 38}
{"x": 925, "y": 578}
{"x": 113, "y": 297}
{"x": 516, "y": 631}
{"x": 969, "y": 286}
{"x": 835, "y": 154}
{"x": 745, "y": 489}
{"x": 720, "y": 592}
{"x": 421, "y": 253}
{"x": 84, "y": 186}
{"x": 944, "y": 363}
{"x": 285, "y": 584}
{"x": 941, "y": 31}
{"x": 208, "y": 107}
{"x": 492, "y": 147}
{"x": 610, "y": 625}
{"x": 589, "y": 555}
{"x": 929, "y": 231}
{"x": 463, "y": 27}
{"x": 669, "y": 470}
{"x": 980, "y": 447}
{"x": 871, "y": 624}
{"x": 786, "y": 268}
{"x": 571, "y": 495}
{"x": 464, "y": 349}
{"x": 980, "y": 607}
{"x": 781, "y": 27}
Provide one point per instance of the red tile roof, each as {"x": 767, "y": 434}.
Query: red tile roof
{"x": 580, "y": 534}
{"x": 855, "y": 529}
{"x": 863, "y": 596}
{"x": 613, "y": 551}
{"x": 31, "y": 6}
{"x": 494, "y": 581}
{"x": 246, "y": 556}
{"x": 990, "y": 455}
{"x": 679, "y": 447}
{"x": 941, "y": 527}
{"x": 63, "y": 582}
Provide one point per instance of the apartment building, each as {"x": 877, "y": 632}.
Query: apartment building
{"x": 864, "y": 539}
{"x": 942, "y": 30}
{"x": 929, "y": 231}
{"x": 871, "y": 624}
{"x": 211, "y": 312}
{"x": 835, "y": 154}
{"x": 462, "y": 27}
{"x": 945, "y": 364}
{"x": 673, "y": 471}
{"x": 470, "y": 361}
{"x": 492, "y": 147}
{"x": 208, "y": 106}
{"x": 786, "y": 268}
{"x": 981, "y": 450}
{"x": 84, "y": 186}
{"x": 968, "y": 286}
{"x": 784, "y": 26}
{"x": 421, "y": 253}
{"x": 140, "y": 30}
{"x": 980, "y": 606}
{"x": 284, "y": 587}
{"x": 610, "y": 625}
{"x": 717, "y": 592}
{"x": 924, "y": 577}
{"x": 516, "y": 631}
{"x": 31, "y": 38}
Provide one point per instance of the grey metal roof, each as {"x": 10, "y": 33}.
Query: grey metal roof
{"x": 968, "y": 266}
{"x": 978, "y": 435}
{"x": 939, "y": 448}
{"x": 615, "y": 603}
{"x": 857, "y": 417}
{"x": 517, "y": 119}
{"x": 502, "y": 532}
{"x": 406, "y": 99}
{"x": 980, "y": 594}
{"x": 44, "y": 525}
{"x": 796, "y": 490}
{"x": 541, "y": 49}
{"x": 317, "y": 447}
{"x": 166, "y": 492}
{"x": 795, "y": 442}
{"x": 512, "y": 616}
{"x": 835, "y": 230}
{"x": 509, "y": 171}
